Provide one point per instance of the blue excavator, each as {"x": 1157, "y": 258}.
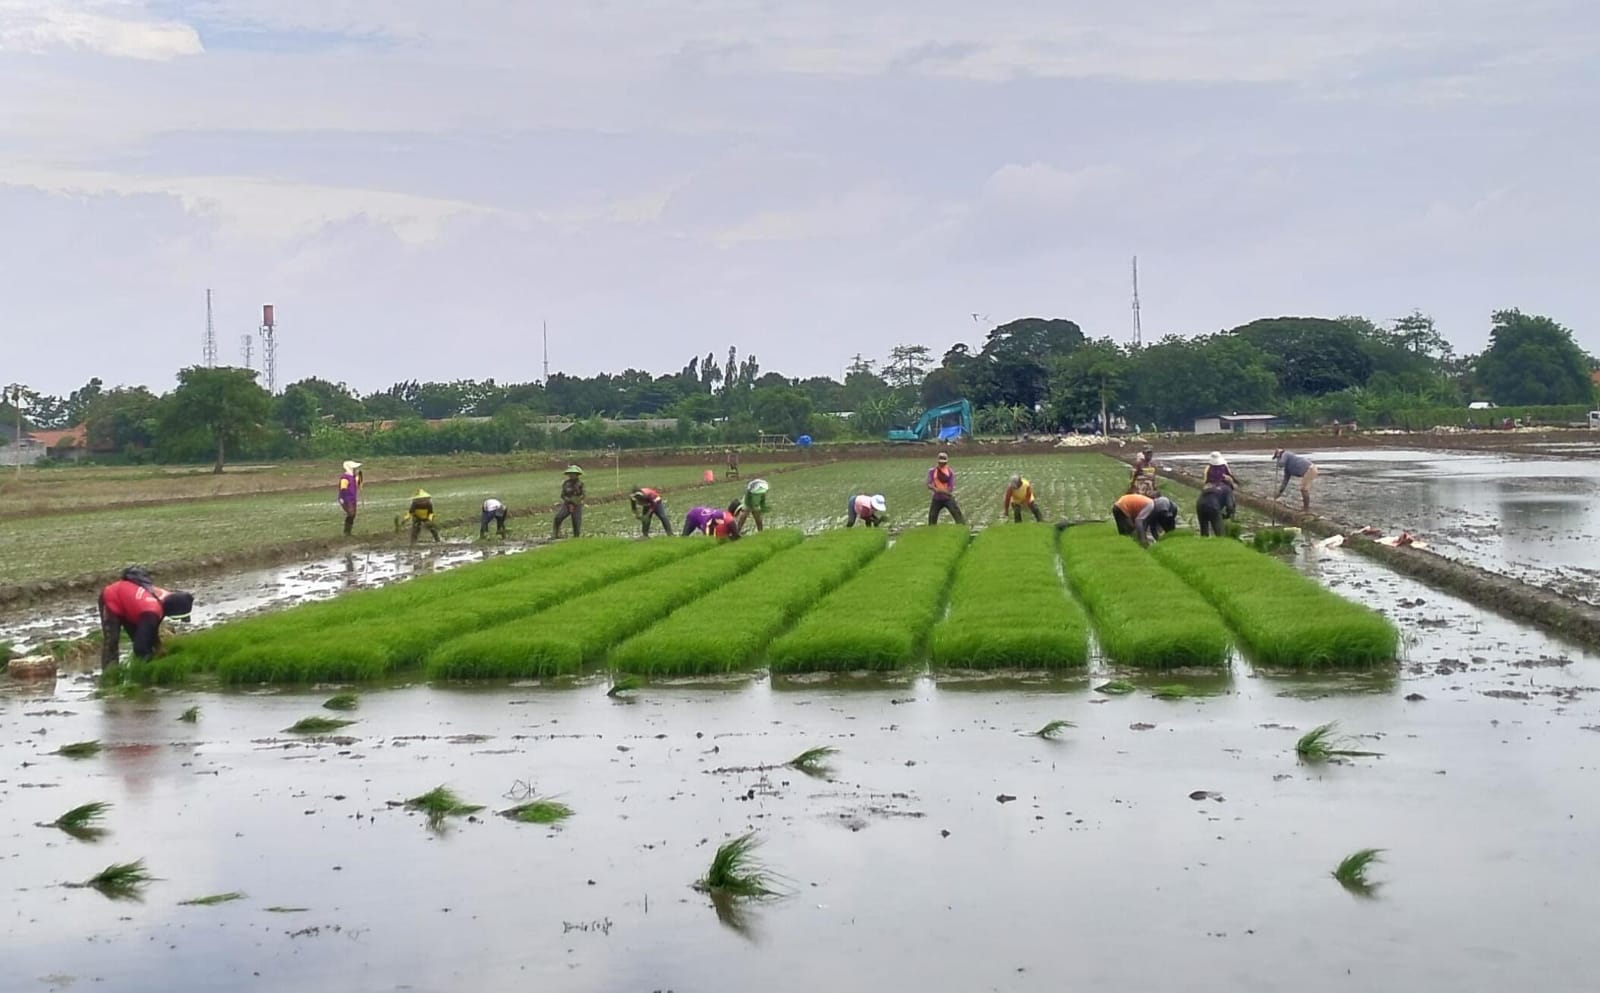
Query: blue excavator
{"x": 942, "y": 423}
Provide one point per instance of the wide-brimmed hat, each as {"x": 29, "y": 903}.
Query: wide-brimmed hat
{"x": 878, "y": 503}
{"x": 573, "y": 470}
{"x": 944, "y": 457}
{"x": 1217, "y": 459}
{"x": 421, "y": 495}
{"x": 351, "y": 466}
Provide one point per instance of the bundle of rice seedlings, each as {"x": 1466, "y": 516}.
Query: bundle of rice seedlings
{"x": 119, "y": 881}
{"x": 736, "y": 872}
{"x": 340, "y": 701}
{"x": 1352, "y": 872}
{"x": 1116, "y": 687}
{"x": 316, "y": 725}
{"x": 562, "y": 639}
{"x": 623, "y": 684}
{"x": 80, "y": 749}
{"x": 1008, "y": 608}
{"x": 190, "y": 716}
{"x": 813, "y": 761}
{"x": 880, "y": 618}
{"x": 1273, "y": 540}
{"x": 1143, "y": 615}
{"x": 212, "y": 900}
{"x": 82, "y": 821}
{"x": 1053, "y": 730}
{"x": 1280, "y": 617}
{"x": 1323, "y": 742}
{"x": 541, "y": 811}
{"x": 706, "y": 637}
{"x": 441, "y": 802}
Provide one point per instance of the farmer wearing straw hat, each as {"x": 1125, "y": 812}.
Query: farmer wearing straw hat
{"x": 869, "y": 510}
{"x": 1019, "y": 494}
{"x": 1296, "y": 467}
{"x": 647, "y": 504}
{"x": 1144, "y": 473}
{"x": 1219, "y": 479}
{"x": 421, "y": 515}
{"x": 942, "y": 486}
{"x": 350, "y": 493}
{"x": 571, "y": 502}
{"x": 138, "y": 606}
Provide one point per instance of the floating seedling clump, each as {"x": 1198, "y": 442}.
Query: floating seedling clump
{"x": 441, "y": 802}
{"x": 538, "y": 812}
{"x": 735, "y": 871}
{"x": 83, "y": 821}
{"x": 190, "y": 716}
{"x": 81, "y": 749}
{"x": 340, "y": 701}
{"x": 1116, "y": 687}
{"x": 119, "y": 881}
{"x": 1323, "y": 742}
{"x": 1352, "y": 872}
{"x": 317, "y": 725}
{"x": 212, "y": 900}
{"x": 814, "y": 761}
{"x": 1008, "y": 609}
{"x": 1053, "y": 729}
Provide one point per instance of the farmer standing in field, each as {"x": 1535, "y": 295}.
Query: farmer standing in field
{"x": 571, "y": 502}
{"x": 1144, "y": 473}
{"x": 350, "y": 493}
{"x": 420, "y": 515}
{"x": 753, "y": 504}
{"x": 493, "y": 510}
{"x": 1019, "y": 494}
{"x": 869, "y": 510}
{"x": 942, "y": 486}
{"x": 646, "y": 504}
{"x": 138, "y": 606}
{"x": 1146, "y": 518}
{"x": 711, "y": 521}
{"x": 1296, "y": 467}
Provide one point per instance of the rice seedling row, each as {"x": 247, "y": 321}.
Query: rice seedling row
{"x": 1008, "y": 608}
{"x": 727, "y": 630}
{"x": 1280, "y": 617}
{"x": 1143, "y": 614}
{"x": 561, "y": 640}
{"x": 880, "y": 619}
{"x": 382, "y": 646}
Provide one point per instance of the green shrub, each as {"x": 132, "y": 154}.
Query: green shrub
{"x": 879, "y": 619}
{"x": 1281, "y": 618}
{"x": 1143, "y": 614}
{"x": 727, "y": 630}
{"x": 559, "y": 641}
{"x": 1008, "y": 609}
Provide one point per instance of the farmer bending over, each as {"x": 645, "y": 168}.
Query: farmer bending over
{"x": 646, "y": 504}
{"x": 869, "y": 510}
{"x": 571, "y": 502}
{"x": 420, "y": 514}
{"x": 136, "y": 605}
{"x": 753, "y": 504}
{"x": 1296, "y": 467}
{"x": 1019, "y": 494}
{"x": 942, "y": 486}
{"x": 711, "y": 521}
{"x": 1146, "y": 518}
{"x": 493, "y": 510}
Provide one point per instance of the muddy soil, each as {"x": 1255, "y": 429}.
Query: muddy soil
{"x": 910, "y": 869}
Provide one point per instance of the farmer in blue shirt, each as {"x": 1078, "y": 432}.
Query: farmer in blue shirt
{"x": 1296, "y": 467}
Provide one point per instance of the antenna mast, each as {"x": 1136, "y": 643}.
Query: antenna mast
{"x": 209, "y": 347}
{"x": 545, "y": 325}
{"x": 1138, "y": 333}
{"x": 246, "y": 342}
{"x": 269, "y": 348}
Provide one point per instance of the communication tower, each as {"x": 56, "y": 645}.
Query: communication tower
{"x": 269, "y": 348}
{"x": 1138, "y": 333}
{"x": 209, "y": 347}
{"x": 246, "y": 343}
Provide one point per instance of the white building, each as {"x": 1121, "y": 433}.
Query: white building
{"x": 1236, "y": 424}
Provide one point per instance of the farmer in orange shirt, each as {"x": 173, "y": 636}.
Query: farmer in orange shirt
{"x": 1146, "y": 518}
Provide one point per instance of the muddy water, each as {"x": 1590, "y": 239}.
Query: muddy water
{"x": 1536, "y": 519}
{"x": 905, "y": 871}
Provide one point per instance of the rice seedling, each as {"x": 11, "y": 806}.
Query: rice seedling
{"x": 1116, "y": 687}
{"x": 1053, "y": 730}
{"x": 1273, "y": 540}
{"x": 212, "y": 900}
{"x": 1118, "y": 582}
{"x": 1352, "y": 872}
{"x": 119, "y": 881}
{"x": 736, "y": 872}
{"x": 813, "y": 761}
{"x": 286, "y": 910}
{"x": 1175, "y": 691}
{"x": 880, "y": 618}
{"x": 80, "y": 749}
{"x": 705, "y": 637}
{"x": 623, "y": 684}
{"x": 190, "y": 716}
{"x": 317, "y": 725}
{"x": 439, "y": 803}
{"x": 542, "y": 811}
{"x": 83, "y": 821}
{"x": 561, "y": 640}
{"x": 340, "y": 701}
{"x": 1008, "y": 608}
{"x": 1280, "y": 617}
{"x": 1323, "y": 742}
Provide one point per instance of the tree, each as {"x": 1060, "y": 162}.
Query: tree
{"x": 334, "y": 400}
{"x": 81, "y": 399}
{"x": 907, "y": 366}
{"x": 1416, "y": 334}
{"x": 296, "y": 411}
{"x": 1034, "y": 339}
{"x": 1088, "y": 384}
{"x": 1310, "y": 354}
{"x": 225, "y": 404}
{"x": 1177, "y": 379}
{"x": 941, "y": 386}
{"x": 123, "y": 419}
{"x": 781, "y": 410}
{"x": 1533, "y": 360}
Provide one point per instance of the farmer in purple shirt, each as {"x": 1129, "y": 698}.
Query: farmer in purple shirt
{"x": 350, "y": 493}
{"x": 942, "y": 486}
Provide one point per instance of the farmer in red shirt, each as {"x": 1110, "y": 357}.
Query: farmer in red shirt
{"x": 136, "y": 605}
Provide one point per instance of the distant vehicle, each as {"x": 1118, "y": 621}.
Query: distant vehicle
{"x": 1481, "y": 405}
{"x": 946, "y": 422}
{"x": 1594, "y": 420}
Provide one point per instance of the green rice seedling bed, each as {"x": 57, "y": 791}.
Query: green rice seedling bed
{"x": 726, "y": 630}
{"x": 1143, "y": 614}
{"x": 1281, "y": 618}
{"x": 881, "y": 618}
{"x": 559, "y": 641}
{"x": 382, "y": 646}
{"x": 1008, "y": 608}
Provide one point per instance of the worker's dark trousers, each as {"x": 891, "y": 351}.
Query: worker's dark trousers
{"x": 349, "y": 520}
{"x": 945, "y": 502}
{"x": 417, "y": 524}
{"x": 657, "y": 513}
{"x": 146, "y": 635}
{"x": 1016, "y": 512}
{"x": 1124, "y": 522}
{"x": 575, "y": 512}
{"x": 499, "y": 519}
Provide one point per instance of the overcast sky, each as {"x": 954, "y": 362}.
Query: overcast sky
{"x": 415, "y": 184}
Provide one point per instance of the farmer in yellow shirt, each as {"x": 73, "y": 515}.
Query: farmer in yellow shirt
{"x": 1019, "y": 494}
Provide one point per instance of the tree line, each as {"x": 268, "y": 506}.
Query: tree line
{"x": 1032, "y": 374}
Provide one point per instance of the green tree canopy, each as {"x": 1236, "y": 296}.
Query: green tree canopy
{"x": 1310, "y": 354}
{"x": 1533, "y": 360}
{"x": 224, "y": 404}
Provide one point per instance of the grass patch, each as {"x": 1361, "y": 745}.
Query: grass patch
{"x": 1280, "y": 617}
{"x": 813, "y": 761}
{"x": 120, "y": 880}
{"x": 1323, "y": 742}
{"x": 1143, "y": 614}
{"x": 1116, "y": 687}
{"x": 538, "y": 812}
{"x": 1053, "y": 730}
{"x": 1008, "y": 609}
{"x": 880, "y": 618}
{"x": 81, "y": 750}
{"x": 212, "y": 900}
{"x": 340, "y": 701}
{"x": 706, "y": 637}
{"x": 317, "y": 725}
{"x": 1352, "y": 872}
{"x": 736, "y": 872}
{"x": 190, "y": 716}
{"x": 441, "y": 802}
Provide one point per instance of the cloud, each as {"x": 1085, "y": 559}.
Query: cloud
{"x": 102, "y": 27}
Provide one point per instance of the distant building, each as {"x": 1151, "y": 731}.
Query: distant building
{"x": 1236, "y": 424}
{"x": 18, "y": 450}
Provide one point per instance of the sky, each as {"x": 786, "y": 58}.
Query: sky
{"x": 417, "y": 185}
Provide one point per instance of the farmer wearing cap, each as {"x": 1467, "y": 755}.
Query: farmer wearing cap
{"x": 138, "y": 606}
{"x": 646, "y": 504}
{"x": 1146, "y": 518}
{"x": 1019, "y": 494}
{"x": 753, "y": 504}
{"x": 420, "y": 514}
{"x": 713, "y": 521}
{"x": 869, "y": 510}
{"x": 942, "y": 487}
{"x": 350, "y": 493}
{"x": 493, "y": 510}
{"x": 1296, "y": 467}
{"x": 1144, "y": 473}
{"x": 571, "y": 502}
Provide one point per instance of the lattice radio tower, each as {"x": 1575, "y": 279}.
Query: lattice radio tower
{"x": 209, "y": 347}
{"x": 1138, "y": 333}
{"x": 269, "y": 348}
{"x": 246, "y": 343}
